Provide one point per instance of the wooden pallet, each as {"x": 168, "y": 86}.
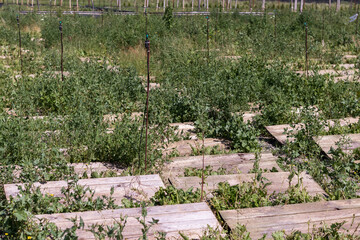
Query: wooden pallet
{"x": 278, "y": 131}
{"x": 135, "y": 187}
{"x": 279, "y": 182}
{"x": 191, "y": 219}
{"x": 302, "y": 217}
{"x": 184, "y": 147}
{"x": 352, "y": 141}
{"x": 233, "y": 163}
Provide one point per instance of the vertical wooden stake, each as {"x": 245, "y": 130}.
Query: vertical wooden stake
{"x": 306, "y": 51}
{"x": 62, "y": 51}
{"x": 20, "y": 56}
{"x": 147, "y": 46}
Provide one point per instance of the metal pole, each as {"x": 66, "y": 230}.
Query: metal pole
{"x": 275, "y": 25}
{"x": 20, "y": 56}
{"x": 203, "y": 166}
{"x": 62, "y": 51}
{"x": 357, "y": 23}
{"x": 322, "y": 28}
{"x": 306, "y": 51}
{"x": 207, "y": 37}
{"x": 147, "y": 46}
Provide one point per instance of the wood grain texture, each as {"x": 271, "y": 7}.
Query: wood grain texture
{"x": 135, "y": 187}
{"x": 279, "y": 131}
{"x": 266, "y": 220}
{"x": 233, "y": 163}
{"x": 184, "y": 147}
{"x": 279, "y": 182}
{"x": 350, "y": 142}
{"x": 191, "y": 219}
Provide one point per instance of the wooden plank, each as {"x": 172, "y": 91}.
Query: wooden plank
{"x": 185, "y": 129}
{"x": 233, "y": 163}
{"x": 79, "y": 169}
{"x": 184, "y": 147}
{"x": 266, "y": 220}
{"x": 278, "y": 131}
{"x": 140, "y": 187}
{"x": 351, "y": 142}
{"x": 279, "y": 182}
{"x": 191, "y": 218}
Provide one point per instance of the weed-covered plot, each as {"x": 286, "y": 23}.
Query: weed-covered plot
{"x": 188, "y": 219}
{"x": 278, "y": 182}
{"x": 349, "y": 144}
{"x": 306, "y": 217}
{"x": 230, "y": 163}
{"x": 138, "y": 188}
{"x": 286, "y": 132}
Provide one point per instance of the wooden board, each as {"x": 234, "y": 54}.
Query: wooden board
{"x": 266, "y": 220}
{"x": 278, "y": 131}
{"x": 233, "y": 163}
{"x": 191, "y": 219}
{"x": 352, "y": 141}
{"x": 79, "y": 169}
{"x": 279, "y": 182}
{"x": 348, "y": 72}
{"x": 184, "y": 147}
{"x": 185, "y": 129}
{"x": 136, "y": 187}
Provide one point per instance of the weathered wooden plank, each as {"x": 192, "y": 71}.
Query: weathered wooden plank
{"x": 188, "y": 218}
{"x": 260, "y": 212}
{"x": 136, "y": 187}
{"x": 79, "y": 169}
{"x": 279, "y": 182}
{"x": 233, "y": 163}
{"x": 347, "y": 143}
{"x": 185, "y": 147}
{"x": 266, "y": 220}
{"x": 278, "y": 131}
{"x": 185, "y": 129}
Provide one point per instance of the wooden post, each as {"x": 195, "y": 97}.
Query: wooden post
{"x": 338, "y": 5}
{"x": 295, "y": 5}
{"x": 77, "y": 5}
{"x": 70, "y": 5}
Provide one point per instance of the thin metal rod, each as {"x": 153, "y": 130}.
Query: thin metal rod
{"x": 306, "y": 50}
{"x": 322, "y": 27}
{"x": 147, "y": 46}
{"x": 275, "y": 25}
{"x": 207, "y": 38}
{"x": 357, "y": 23}
{"x": 62, "y": 51}
{"x": 20, "y": 56}
{"x": 203, "y": 166}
